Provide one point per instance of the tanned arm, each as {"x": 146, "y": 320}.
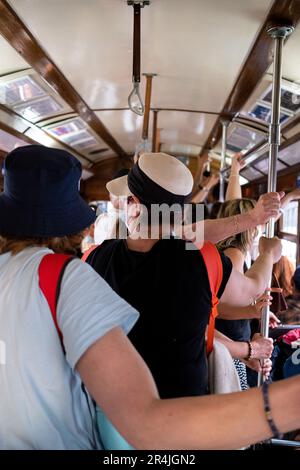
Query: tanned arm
{"x": 118, "y": 379}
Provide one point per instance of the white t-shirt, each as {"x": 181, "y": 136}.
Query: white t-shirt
{"x": 42, "y": 405}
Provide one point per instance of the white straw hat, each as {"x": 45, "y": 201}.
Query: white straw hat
{"x": 158, "y": 171}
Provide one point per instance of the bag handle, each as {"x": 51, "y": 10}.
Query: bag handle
{"x": 214, "y": 267}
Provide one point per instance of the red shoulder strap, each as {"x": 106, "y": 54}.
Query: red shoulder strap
{"x": 51, "y": 270}
{"x": 214, "y": 268}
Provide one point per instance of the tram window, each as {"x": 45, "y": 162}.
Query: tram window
{"x": 289, "y": 99}
{"x": 289, "y": 249}
{"x": 264, "y": 113}
{"x": 20, "y": 90}
{"x": 39, "y": 108}
{"x": 288, "y": 231}
{"x": 242, "y": 139}
{"x": 289, "y": 221}
{"x": 263, "y": 165}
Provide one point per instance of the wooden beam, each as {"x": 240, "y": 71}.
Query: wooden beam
{"x": 10, "y": 130}
{"x": 149, "y": 77}
{"x": 21, "y": 39}
{"x": 255, "y": 65}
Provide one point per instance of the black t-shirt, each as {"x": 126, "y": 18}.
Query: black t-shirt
{"x": 238, "y": 330}
{"x": 169, "y": 287}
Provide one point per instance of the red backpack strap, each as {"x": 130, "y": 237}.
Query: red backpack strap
{"x": 87, "y": 253}
{"x": 214, "y": 268}
{"x": 51, "y": 271}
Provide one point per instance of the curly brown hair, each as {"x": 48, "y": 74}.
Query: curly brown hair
{"x": 68, "y": 244}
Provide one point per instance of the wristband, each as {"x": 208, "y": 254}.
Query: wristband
{"x": 275, "y": 431}
{"x": 250, "y": 353}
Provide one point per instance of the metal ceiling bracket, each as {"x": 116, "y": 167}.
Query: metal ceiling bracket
{"x": 280, "y": 31}
{"x": 142, "y": 3}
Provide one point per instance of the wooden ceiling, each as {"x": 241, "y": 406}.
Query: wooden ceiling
{"x": 209, "y": 56}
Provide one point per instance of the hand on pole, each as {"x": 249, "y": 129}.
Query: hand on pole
{"x": 272, "y": 246}
{"x": 292, "y": 196}
{"x": 261, "y": 347}
{"x": 236, "y": 164}
{"x": 273, "y": 320}
{"x": 265, "y": 368}
{"x": 267, "y": 207}
{"x": 264, "y": 300}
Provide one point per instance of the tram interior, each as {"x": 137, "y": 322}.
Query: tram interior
{"x": 66, "y": 75}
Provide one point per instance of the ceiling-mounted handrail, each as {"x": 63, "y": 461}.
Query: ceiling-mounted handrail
{"x": 149, "y": 77}
{"x": 135, "y": 102}
{"x": 251, "y": 156}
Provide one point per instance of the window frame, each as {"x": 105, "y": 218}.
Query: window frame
{"x": 295, "y": 238}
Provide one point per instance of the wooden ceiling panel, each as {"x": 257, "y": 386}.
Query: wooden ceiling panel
{"x": 185, "y": 128}
{"x": 195, "y": 46}
{"x": 125, "y": 126}
{"x": 11, "y": 61}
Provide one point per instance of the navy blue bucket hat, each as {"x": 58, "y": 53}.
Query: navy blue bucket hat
{"x": 41, "y": 194}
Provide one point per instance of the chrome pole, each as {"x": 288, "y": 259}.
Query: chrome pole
{"x": 223, "y": 160}
{"x": 278, "y": 33}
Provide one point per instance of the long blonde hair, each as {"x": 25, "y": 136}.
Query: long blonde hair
{"x": 244, "y": 240}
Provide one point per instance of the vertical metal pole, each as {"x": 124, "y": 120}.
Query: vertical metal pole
{"x": 278, "y": 34}
{"x": 223, "y": 160}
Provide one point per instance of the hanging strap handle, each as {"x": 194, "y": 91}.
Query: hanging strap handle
{"x": 50, "y": 272}
{"x": 214, "y": 268}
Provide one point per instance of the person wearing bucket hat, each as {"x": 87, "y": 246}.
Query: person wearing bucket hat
{"x": 41, "y": 212}
{"x": 41, "y": 197}
{"x": 42, "y": 404}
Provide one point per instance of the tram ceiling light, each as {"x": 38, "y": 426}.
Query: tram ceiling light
{"x": 135, "y": 102}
